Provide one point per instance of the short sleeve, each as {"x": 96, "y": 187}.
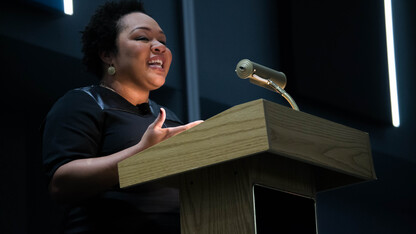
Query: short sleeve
{"x": 72, "y": 130}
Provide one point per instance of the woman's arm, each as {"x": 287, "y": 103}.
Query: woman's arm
{"x": 83, "y": 178}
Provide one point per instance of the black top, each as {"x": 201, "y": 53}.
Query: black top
{"x": 95, "y": 121}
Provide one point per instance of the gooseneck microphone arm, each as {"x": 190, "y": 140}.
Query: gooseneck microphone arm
{"x": 281, "y": 92}
{"x": 265, "y": 77}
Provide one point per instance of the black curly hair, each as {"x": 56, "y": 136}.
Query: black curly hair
{"x": 101, "y": 33}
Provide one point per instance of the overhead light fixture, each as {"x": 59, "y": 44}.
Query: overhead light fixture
{"x": 68, "y": 8}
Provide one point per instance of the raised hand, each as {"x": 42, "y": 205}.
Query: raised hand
{"x": 155, "y": 133}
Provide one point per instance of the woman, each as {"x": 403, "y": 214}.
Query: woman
{"x": 91, "y": 129}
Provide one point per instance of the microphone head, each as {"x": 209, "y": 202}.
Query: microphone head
{"x": 244, "y": 69}
{"x": 247, "y": 69}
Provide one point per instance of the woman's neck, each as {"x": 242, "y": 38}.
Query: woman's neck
{"x": 131, "y": 93}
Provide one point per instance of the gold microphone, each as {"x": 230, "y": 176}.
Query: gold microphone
{"x": 265, "y": 77}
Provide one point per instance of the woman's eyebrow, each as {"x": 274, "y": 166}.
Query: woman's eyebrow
{"x": 144, "y": 28}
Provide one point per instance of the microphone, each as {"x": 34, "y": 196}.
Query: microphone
{"x": 248, "y": 69}
{"x": 264, "y": 77}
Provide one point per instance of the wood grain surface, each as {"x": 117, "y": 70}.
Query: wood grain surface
{"x": 251, "y": 128}
{"x": 317, "y": 141}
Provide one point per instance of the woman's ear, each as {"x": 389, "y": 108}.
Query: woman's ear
{"x": 107, "y": 57}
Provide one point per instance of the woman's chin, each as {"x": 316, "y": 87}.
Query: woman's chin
{"x": 157, "y": 85}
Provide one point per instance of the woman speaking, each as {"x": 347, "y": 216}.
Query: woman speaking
{"x": 90, "y": 129}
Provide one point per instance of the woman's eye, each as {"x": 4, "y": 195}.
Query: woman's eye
{"x": 163, "y": 42}
{"x": 141, "y": 39}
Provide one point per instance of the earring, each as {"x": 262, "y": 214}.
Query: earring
{"x": 111, "y": 70}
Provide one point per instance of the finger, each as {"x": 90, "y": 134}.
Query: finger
{"x": 193, "y": 124}
{"x": 176, "y": 130}
{"x": 158, "y": 123}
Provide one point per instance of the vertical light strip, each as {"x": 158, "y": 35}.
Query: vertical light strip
{"x": 68, "y": 9}
{"x": 192, "y": 88}
{"x": 391, "y": 63}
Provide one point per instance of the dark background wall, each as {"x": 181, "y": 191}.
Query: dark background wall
{"x": 333, "y": 53}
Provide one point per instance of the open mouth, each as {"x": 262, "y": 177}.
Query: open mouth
{"x": 156, "y": 63}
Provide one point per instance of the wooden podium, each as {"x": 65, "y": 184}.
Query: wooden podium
{"x": 216, "y": 163}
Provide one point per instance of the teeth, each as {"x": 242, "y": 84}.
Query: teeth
{"x": 156, "y": 62}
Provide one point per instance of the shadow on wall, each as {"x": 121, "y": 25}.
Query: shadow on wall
{"x": 386, "y": 205}
{"x": 34, "y": 79}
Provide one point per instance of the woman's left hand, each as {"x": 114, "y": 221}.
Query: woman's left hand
{"x": 155, "y": 133}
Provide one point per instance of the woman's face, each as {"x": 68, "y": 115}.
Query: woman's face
{"x": 142, "y": 60}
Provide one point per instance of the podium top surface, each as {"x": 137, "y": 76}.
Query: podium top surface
{"x": 251, "y": 128}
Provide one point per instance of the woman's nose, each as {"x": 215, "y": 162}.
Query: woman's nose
{"x": 158, "y": 47}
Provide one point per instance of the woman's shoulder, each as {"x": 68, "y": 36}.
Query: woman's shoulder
{"x": 74, "y": 101}
{"x": 94, "y": 95}
{"x": 76, "y": 97}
